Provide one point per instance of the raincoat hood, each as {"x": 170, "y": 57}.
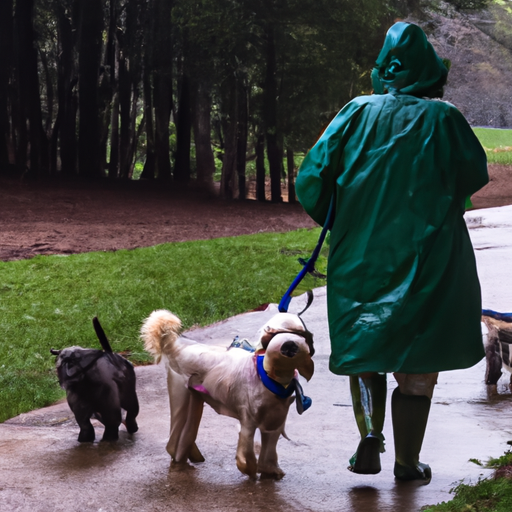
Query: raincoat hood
{"x": 408, "y": 64}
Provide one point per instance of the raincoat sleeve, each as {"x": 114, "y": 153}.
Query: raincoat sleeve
{"x": 468, "y": 157}
{"x": 316, "y": 180}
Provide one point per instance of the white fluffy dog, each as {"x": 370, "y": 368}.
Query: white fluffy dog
{"x": 235, "y": 382}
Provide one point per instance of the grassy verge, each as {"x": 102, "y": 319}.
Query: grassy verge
{"x": 488, "y": 495}
{"x": 497, "y": 144}
{"x": 49, "y": 301}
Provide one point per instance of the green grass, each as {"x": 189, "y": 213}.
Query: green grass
{"x": 497, "y": 144}
{"x": 488, "y": 495}
{"x": 49, "y": 301}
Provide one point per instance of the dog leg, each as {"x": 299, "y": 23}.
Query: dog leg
{"x": 83, "y": 413}
{"x": 187, "y": 447}
{"x": 86, "y": 434}
{"x": 130, "y": 423}
{"x": 186, "y": 412}
{"x": 110, "y": 414}
{"x": 111, "y": 419}
{"x": 130, "y": 404}
{"x": 267, "y": 462}
{"x": 245, "y": 457}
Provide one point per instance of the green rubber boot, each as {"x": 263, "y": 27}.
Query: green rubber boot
{"x": 369, "y": 404}
{"x": 409, "y": 414}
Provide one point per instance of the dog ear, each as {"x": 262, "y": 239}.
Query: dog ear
{"x": 267, "y": 337}
{"x": 55, "y": 352}
{"x": 307, "y": 368}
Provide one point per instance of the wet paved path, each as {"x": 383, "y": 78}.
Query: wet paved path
{"x": 43, "y": 468}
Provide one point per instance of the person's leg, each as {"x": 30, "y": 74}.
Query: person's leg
{"x": 410, "y": 407}
{"x": 369, "y": 404}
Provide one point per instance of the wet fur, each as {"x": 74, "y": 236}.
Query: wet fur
{"x": 497, "y": 351}
{"x": 228, "y": 381}
{"x": 98, "y": 383}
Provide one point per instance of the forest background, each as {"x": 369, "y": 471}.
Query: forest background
{"x": 214, "y": 91}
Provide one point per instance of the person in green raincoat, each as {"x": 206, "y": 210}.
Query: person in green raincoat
{"x": 402, "y": 289}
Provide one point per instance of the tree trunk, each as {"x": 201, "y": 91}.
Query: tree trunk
{"x": 49, "y": 93}
{"x": 130, "y": 75}
{"x": 29, "y": 99}
{"x": 112, "y": 96}
{"x": 205, "y": 161}
{"x": 135, "y": 140}
{"x": 241, "y": 151}
{"x": 270, "y": 119}
{"x": 65, "y": 125}
{"x": 127, "y": 128}
{"x": 183, "y": 133}
{"x": 113, "y": 165}
{"x": 291, "y": 175}
{"x": 228, "y": 184}
{"x": 89, "y": 48}
{"x": 260, "y": 168}
{"x": 149, "y": 171}
{"x": 6, "y": 34}
{"x": 162, "y": 85}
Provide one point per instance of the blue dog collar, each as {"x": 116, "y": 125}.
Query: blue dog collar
{"x": 271, "y": 384}
{"x": 303, "y": 402}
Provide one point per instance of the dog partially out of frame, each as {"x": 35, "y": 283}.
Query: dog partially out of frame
{"x": 234, "y": 383}
{"x": 98, "y": 383}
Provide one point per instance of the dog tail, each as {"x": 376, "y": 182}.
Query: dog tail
{"x": 101, "y": 335}
{"x": 159, "y": 332}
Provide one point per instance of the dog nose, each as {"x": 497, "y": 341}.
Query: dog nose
{"x": 289, "y": 348}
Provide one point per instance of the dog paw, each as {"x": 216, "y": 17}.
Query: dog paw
{"x": 247, "y": 468}
{"x": 131, "y": 426}
{"x": 86, "y": 437}
{"x": 110, "y": 435}
{"x": 272, "y": 474}
{"x": 195, "y": 455}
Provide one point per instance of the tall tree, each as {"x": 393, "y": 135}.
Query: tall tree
{"x": 162, "y": 84}
{"x": 112, "y": 64}
{"x": 6, "y": 35}
{"x": 183, "y": 126}
{"x": 270, "y": 113}
{"x": 67, "y": 79}
{"x": 239, "y": 70}
{"x": 229, "y": 102}
{"x": 201, "y": 115}
{"x": 30, "y": 121}
{"x": 90, "y": 32}
{"x": 131, "y": 40}
{"x": 242, "y": 135}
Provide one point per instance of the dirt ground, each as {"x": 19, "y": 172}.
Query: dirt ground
{"x": 73, "y": 217}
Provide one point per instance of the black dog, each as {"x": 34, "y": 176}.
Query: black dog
{"x": 99, "y": 383}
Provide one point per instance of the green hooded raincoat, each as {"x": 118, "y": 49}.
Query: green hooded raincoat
{"x": 402, "y": 288}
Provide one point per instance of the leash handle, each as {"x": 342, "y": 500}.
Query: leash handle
{"x": 310, "y": 265}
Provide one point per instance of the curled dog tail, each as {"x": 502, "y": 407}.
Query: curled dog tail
{"x": 159, "y": 332}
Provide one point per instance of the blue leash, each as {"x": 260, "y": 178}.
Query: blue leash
{"x": 505, "y": 317}
{"x": 309, "y": 266}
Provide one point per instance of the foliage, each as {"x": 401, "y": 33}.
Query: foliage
{"x": 297, "y": 62}
{"x": 503, "y": 460}
{"x": 470, "y": 4}
{"x": 487, "y": 495}
{"x": 49, "y": 301}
